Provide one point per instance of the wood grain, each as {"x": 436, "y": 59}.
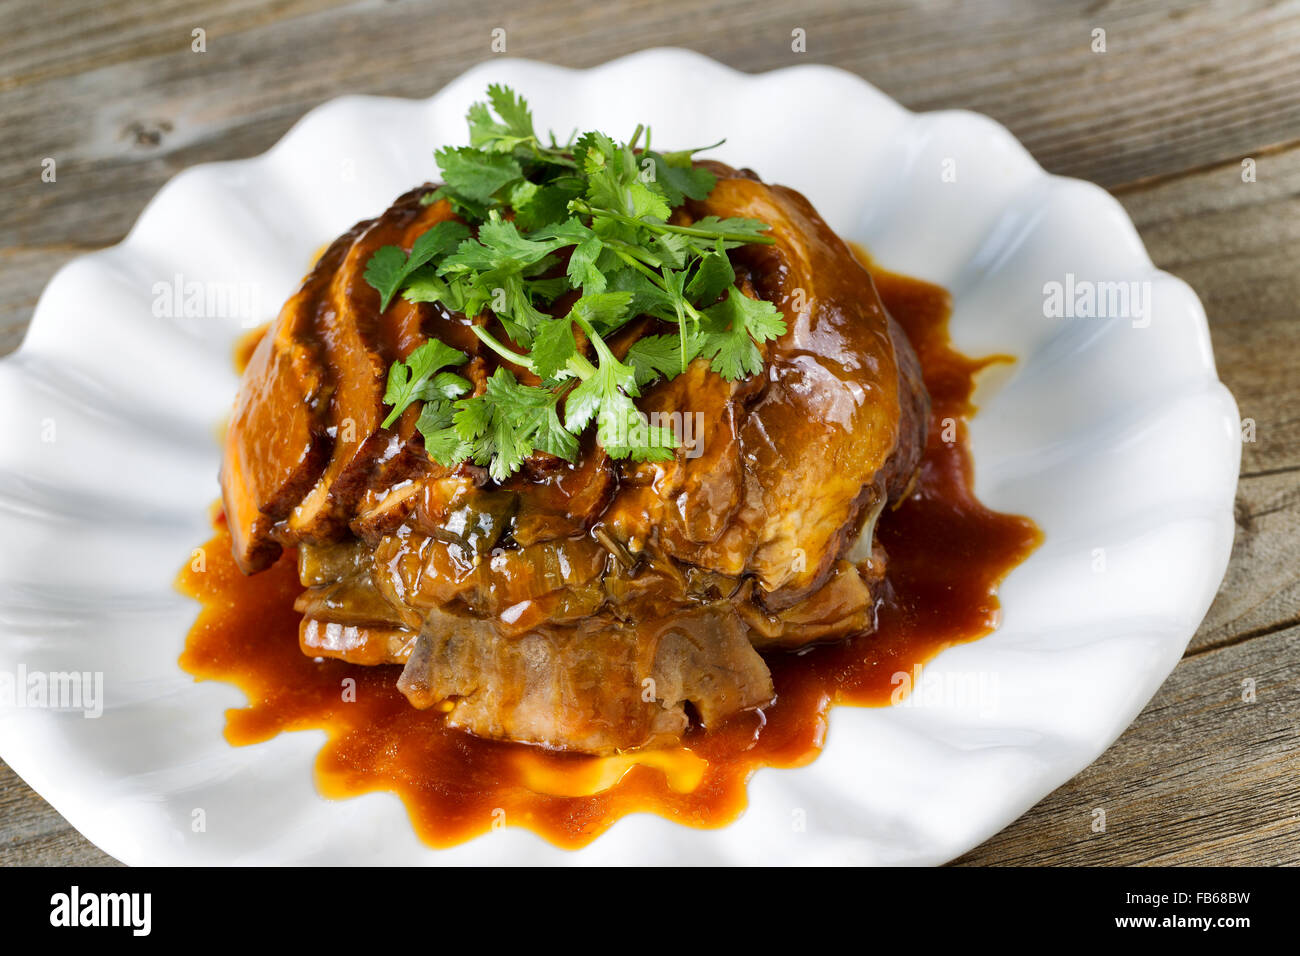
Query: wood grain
{"x": 1202, "y": 777}
{"x": 121, "y": 112}
{"x": 1164, "y": 117}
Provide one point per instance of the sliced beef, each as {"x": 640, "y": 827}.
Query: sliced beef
{"x": 790, "y": 463}
{"x": 304, "y": 450}
{"x": 822, "y": 442}
{"x": 599, "y": 687}
{"x": 278, "y": 439}
{"x": 352, "y": 331}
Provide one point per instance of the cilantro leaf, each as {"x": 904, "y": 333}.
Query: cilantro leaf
{"x": 435, "y": 416}
{"x": 508, "y": 422}
{"x": 647, "y": 298}
{"x": 732, "y": 327}
{"x": 389, "y": 266}
{"x": 476, "y": 174}
{"x": 624, "y": 432}
{"x": 436, "y": 241}
{"x": 545, "y": 221}
{"x": 600, "y": 388}
{"x": 548, "y": 290}
{"x": 444, "y": 385}
{"x": 713, "y": 276}
{"x": 408, "y": 380}
{"x": 605, "y": 394}
{"x": 582, "y": 269}
{"x": 512, "y": 108}
{"x": 681, "y": 180}
{"x": 553, "y": 346}
{"x": 603, "y": 311}
{"x": 385, "y": 272}
{"x": 614, "y": 179}
{"x": 442, "y": 443}
{"x": 426, "y": 286}
{"x": 516, "y": 125}
{"x": 498, "y": 245}
{"x": 546, "y": 204}
{"x": 672, "y": 249}
{"x": 658, "y": 355}
{"x": 492, "y": 269}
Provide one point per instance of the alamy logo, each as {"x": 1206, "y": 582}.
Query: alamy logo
{"x": 182, "y": 298}
{"x": 946, "y": 689}
{"x": 686, "y": 430}
{"x": 53, "y": 690}
{"x": 1077, "y": 298}
{"x": 75, "y": 908}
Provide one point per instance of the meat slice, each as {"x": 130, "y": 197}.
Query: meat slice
{"x": 345, "y": 615}
{"x": 304, "y": 443}
{"x": 600, "y": 687}
{"x": 277, "y": 442}
{"x": 793, "y": 461}
{"x": 821, "y": 442}
{"x": 352, "y": 331}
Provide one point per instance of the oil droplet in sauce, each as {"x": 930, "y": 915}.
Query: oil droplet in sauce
{"x": 946, "y": 555}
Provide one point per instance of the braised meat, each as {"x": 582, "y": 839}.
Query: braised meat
{"x": 595, "y": 684}
{"x": 597, "y": 605}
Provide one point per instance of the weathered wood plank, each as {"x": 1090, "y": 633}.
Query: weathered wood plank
{"x": 1261, "y": 591}
{"x": 33, "y": 834}
{"x": 1202, "y": 777}
{"x": 1237, "y": 244}
{"x": 1177, "y": 87}
{"x": 43, "y": 43}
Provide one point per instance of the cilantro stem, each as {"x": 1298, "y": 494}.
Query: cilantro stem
{"x": 577, "y": 205}
{"x": 686, "y": 154}
{"x": 578, "y": 363}
{"x": 552, "y": 154}
{"x": 488, "y": 339}
{"x": 581, "y": 366}
{"x": 628, "y": 254}
{"x": 637, "y": 259}
{"x": 596, "y": 341}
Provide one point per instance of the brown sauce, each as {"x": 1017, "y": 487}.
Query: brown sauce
{"x": 946, "y": 555}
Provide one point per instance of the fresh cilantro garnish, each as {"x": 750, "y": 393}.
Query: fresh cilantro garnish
{"x": 730, "y": 330}
{"x": 591, "y": 218}
{"x": 415, "y": 379}
{"x": 477, "y": 174}
{"x": 389, "y": 267}
{"x": 501, "y": 427}
{"x": 657, "y": 355}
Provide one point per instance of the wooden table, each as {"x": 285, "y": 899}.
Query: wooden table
{"x": 1164, "y": 117}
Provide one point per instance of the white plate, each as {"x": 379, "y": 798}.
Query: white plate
{"x": 1118, "y": 439}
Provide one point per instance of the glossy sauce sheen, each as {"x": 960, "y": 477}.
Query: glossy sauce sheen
{"x": 946, "y": 555}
